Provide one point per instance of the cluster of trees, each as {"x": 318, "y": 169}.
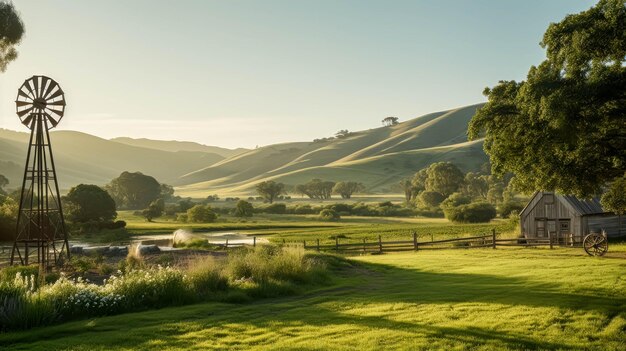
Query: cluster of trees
{"x": 323, "y": 190}
{"x": 443, "y": 187}
{"x": 8, "y": 211}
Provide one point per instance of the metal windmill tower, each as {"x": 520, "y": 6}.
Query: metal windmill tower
{"x": 40, "y": 105}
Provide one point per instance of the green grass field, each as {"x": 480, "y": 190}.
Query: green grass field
{"x": 296, "y": 228}
{"x": 482, "y": 299}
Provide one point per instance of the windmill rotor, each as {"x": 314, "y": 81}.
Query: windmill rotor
{"x": 40, "y": 95}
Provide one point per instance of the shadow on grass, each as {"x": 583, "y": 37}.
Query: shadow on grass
{"x": 365, "y": 284}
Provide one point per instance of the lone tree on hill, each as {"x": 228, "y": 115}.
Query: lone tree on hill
{"x": 390, "y": 121}
{"x": 346, "y": 189}
{"x": 270, "y": 190}
{"x": 11, "y": 32}
{"x": 564, "y": 128}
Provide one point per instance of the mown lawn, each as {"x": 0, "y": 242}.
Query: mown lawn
{"x": 480, "y": 299}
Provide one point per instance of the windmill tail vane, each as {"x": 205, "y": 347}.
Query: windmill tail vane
{"x": 41, "y": 234}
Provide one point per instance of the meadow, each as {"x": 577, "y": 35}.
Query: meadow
{"x": 481, "y": 299}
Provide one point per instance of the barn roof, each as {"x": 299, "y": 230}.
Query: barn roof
{"x": 584, "y": 207}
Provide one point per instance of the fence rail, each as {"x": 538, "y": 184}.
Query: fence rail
{"x": 488, "y": 240}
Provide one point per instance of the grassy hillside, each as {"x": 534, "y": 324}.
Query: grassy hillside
{"x": 480, "y": 299}
{"x": 83, "y": 158}
{"x": 378, "y": 157}
{"x": 175, "y": 145}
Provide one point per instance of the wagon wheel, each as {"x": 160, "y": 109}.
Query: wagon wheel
{"x": 596, "y": 244}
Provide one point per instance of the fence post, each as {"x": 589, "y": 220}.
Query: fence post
{"x": 226, "y": 246}
{"x": 363, "y": 245}
{"x": 380, "y": 244}
{"x": 304, "y": 243}
{"x": 415, "y": 240}
{"x": 336, "y": 244}
{"x": 254, "y": 241}
{"x": 318, "y": 245}
{"x": 550, "y": 239}
{"x": 493, "y": 234}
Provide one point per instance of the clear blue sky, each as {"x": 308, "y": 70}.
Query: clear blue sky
{"x": 245, "y": 73}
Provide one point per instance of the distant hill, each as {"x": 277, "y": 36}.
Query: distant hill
{"x": 84, "y": 158}
{"x": 174, "y": 145}
{"x": 378, "y": 157}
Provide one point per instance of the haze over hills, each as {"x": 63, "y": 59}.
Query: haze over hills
{"x": 378, "y": 157}
{"x": 174, "y": 145}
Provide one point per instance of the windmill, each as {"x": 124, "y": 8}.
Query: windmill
{"x": 40, "y": 105}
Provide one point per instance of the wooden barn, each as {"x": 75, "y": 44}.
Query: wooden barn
{"x": 567, "y": 217}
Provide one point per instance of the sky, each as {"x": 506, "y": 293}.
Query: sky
{"x": 237, "y": 73}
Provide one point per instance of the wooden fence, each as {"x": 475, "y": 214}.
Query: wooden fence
{"x": 489, "y": 240}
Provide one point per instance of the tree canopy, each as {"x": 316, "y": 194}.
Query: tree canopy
{"x": 134, "y": 190}
{"x": 564, "y": 128}
{"x": 244, "y": 209}
{"x": 346, "y": 189}
{"x": 390, "y": 121}
{"x": 11, "y": 32}
{"x": 444, "y": 178}
{"x": 270, "y": 190}
{"x": 89, "y": 203}
{"x": 316, "y": 189}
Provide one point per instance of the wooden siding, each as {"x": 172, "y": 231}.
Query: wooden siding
{"x": 613, "y": 225}
{"x": 548, "y": 208}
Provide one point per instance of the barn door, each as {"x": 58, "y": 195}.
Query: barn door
{"x": 564, "y": 231}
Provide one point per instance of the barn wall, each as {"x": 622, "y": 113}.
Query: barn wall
{"x": 540, "y": 208}
{"x": 612, "y": 224}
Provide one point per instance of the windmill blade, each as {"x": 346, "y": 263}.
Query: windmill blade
{"x": 35, "y": 81}
{"x": 23, "y": 112}
{"x": 57, "y": 103}
{"x": 27, "y": 120}
{"x": 44, "y": 82}
{"x": 23, "y": 94}
{"x": 29, "y": 89}
{"x": 23, "y": 103}
{"x": 52, "y": 85}
{"x": 55, "y": 112}
{"x": 56, "y": 94}
{"x": 53, "y": 121}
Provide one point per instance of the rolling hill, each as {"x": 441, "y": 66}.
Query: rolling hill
{"x": 377, "y": 157}
{"x": 84, "y": 158}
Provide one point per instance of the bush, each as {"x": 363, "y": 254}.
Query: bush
{"x": 275, "y": 209}
{"x": 304, "y": 209}
{"x": 201, "y": 214}
{"x": 454, "y": 200}
{"x": 510, "y": 208}
{"x": 471, "y": 213}
{"x": 244, "y": 209}
{"x": 329, "y": 215}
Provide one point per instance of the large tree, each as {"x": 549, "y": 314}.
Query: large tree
{"x": 444, "y": 178}
{"x": 270, "y": 190}
{"x": 134, "y": 190}
{"x": 316, "y": 189}
{"x": 346, "y": 189}
{"x": 89, "y": 203}
{"x": 564, "y": 128}
{"x": 11, "y": 32}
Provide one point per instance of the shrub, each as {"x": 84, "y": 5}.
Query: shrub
{"x": 244, "y": 209}
{"x": 275, "y": 209}
{"x": 201, "y": 214}
{"x": 510, "y": 208}
{"x": 471, "y": 213}
{"x": 329, "y": 215}
{"x": 304, "y": 209}
{"x": 454, "y": 200}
